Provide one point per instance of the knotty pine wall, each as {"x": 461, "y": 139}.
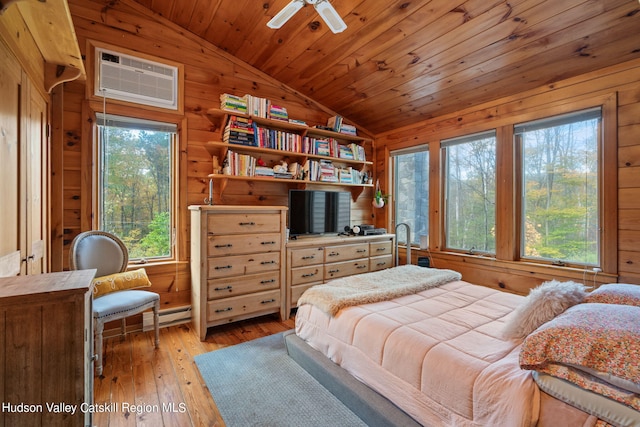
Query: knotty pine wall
{"x": 621, "y": 83}
{"x": 208, "y": 73}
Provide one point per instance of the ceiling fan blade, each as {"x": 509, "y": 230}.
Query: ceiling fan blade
{"x": 285, "y": 14}
{"x": 330, "y": 16}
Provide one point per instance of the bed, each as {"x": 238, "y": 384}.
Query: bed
{"x": 435, "y": 349}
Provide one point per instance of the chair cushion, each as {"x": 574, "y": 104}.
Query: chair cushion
{"x": 124, "y": 302}
{"x": 120, "y": 281}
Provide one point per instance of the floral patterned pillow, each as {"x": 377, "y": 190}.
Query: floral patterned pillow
{"x": 601, "y": 337}
{"x": 616, "y": 293}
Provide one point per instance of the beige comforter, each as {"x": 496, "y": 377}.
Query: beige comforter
{"x": 437, "y": 354}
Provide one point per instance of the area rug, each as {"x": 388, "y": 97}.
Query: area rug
{"x": 257, "y": 384}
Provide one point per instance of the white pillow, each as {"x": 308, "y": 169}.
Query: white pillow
{"x": 541, "y": 305}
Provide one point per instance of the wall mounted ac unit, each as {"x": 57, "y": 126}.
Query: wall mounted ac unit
{"x": 127, "y": 78}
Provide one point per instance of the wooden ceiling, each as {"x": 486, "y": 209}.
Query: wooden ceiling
{"x": 401, "y": 62}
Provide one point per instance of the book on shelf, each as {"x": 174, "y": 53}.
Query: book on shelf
{"x": 278, "y": 113}
{"x": 348, "y": 129}
{"x": 233, "y": 103}
{"x": 335, "y": 123}
{"x": 241, "y": 164}
{"x": 345, "y": 175}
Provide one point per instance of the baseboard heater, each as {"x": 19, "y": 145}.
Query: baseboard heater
{"x": 168, "y": 317}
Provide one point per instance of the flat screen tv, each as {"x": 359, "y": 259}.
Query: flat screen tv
{"x": 318, "y": 212}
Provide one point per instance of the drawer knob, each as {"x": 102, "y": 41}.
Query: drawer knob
{"x": 309, "y": 275}
{"x": 267, "y": 262}
{"x": 227, "y": 245}
{"x": 267, "y": 301}
{"x": 361, "y": 251}
{"x": 333, "y": 271}
{"x": 309, "y": 257}
{"x": 334, "y": 253}
{"x": 381, "y": 249}
{"x": 247, "y": 223}
{"x": 223, "y": 267}
{"x": 264, "y": 282}
{"x": 222, "y": 310}
{"x": 226, "y": 288}
{"x": 381, "y": 263}
{"x": 268, "y": 243}
{"x": 361, "y": 266}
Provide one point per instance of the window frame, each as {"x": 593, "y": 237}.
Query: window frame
{"x": 550, "y": 122}
{"x": 444, "y": 145}
{"x": 178, "y": 220}
{"x": 507, "y": 177}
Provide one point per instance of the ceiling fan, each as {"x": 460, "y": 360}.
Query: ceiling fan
{"x": 323, "y": 7}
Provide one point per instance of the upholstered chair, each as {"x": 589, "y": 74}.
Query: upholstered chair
{"x": 106, "y": 253}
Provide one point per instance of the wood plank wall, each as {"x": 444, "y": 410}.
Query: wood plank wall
{"x": 621, "y": 82}
{"x": 208, "y": 73}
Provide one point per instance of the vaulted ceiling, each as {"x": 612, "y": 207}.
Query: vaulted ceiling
{"x": 400, "y": 62}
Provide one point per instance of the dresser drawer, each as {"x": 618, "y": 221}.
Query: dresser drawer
{"x": 229, "y": 308}
{"x": 223, "y": 288}
{"x": 346, "y": 268}
{"x": 380, "y": 262}
{"x": 309, "y": 256}
{"x": 237, "y": 223}
{"x": 300, "y": 275}
{"x": 238, "y": 265}
{"x": 242, "y": 244}
{"x": 344, "y": 252}
{"x": 380, "y": 248}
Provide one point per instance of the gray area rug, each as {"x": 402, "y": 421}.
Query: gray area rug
{"x": 257, "y": 384}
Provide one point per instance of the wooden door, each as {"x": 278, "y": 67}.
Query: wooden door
{"x": 35, "y": 164}
{"x": 10, "y": 117}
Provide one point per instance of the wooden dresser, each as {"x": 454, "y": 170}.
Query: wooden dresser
{"x": 315, "y": 260}
{"x": 46, "y": 349}
{"x": 237, "y": 263}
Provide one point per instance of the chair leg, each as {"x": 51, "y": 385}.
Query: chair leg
{"x": 98, "y": 339}
{"x": 156, "y": 322}
{"x": 123, "y": 327}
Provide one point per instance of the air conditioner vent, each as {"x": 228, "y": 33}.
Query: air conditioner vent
{"x": 132, "y": 79}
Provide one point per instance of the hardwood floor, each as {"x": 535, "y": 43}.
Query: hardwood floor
{"x": 138, "y": 379}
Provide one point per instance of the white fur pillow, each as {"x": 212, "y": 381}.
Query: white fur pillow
{"x": 541, "y": 305}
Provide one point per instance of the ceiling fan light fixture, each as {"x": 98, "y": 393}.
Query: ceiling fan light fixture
{"x": 285, "y": 14}
{"x": 323, "y": 7}
{"x": 330, "y": 16}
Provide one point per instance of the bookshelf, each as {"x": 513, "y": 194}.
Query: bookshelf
{"x": 220, "y": 149}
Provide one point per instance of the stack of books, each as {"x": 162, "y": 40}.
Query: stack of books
{"x": 358, "y": 152}
{"x": 327, "y": 172}
{"x": 278, "y": 113}
{"x": 264, "y": 171}
{"x": 241, "y": 164}
{"x": 348, "y": 129}
{"x": 277, "y": 139}
{"x": 239, "y": 130}
{"x": 233, "y": 103}
{"x": 256, "y": 106}
{"x": 335, "y": 123}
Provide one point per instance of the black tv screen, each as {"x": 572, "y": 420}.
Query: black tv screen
{"x": 318, "y": 212}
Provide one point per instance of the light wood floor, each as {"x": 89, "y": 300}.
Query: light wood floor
{"x": 139, "y": 379}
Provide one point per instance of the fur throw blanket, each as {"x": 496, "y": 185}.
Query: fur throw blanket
{"x": 375, "y": 287}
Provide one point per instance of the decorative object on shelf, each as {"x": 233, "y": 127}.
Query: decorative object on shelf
{"x": 209, "y": 200}
{"x": 323, "y": 7}
{"x": 379, "y": 199}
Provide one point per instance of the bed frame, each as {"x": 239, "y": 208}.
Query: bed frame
{"x": 370, "y": 406}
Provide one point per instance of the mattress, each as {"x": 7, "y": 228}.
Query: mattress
{"x": 436, "y": 354}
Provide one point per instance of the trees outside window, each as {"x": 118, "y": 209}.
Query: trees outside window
{"x": 470, "y": 192}
{"x": 411, "y": 180}
{"x": 135, "y": 190}
{"x": 560, "y": 187}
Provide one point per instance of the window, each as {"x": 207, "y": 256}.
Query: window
{"x": 411, "y": 180}
{"x": 470, "y": 192}
{"x": 136, "y": 166}
{"x": 560, "y": 187}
